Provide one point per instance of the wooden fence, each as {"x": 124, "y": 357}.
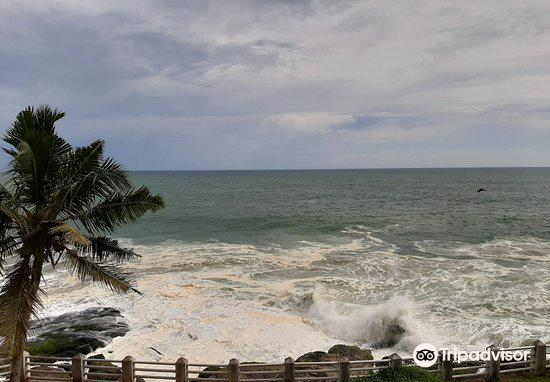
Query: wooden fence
{"x": 80, "y": 369}
{"x": 4, "y": 369}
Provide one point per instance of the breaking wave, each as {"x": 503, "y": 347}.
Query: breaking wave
{"x": 220, "y": 300}
{"x": 388, "y": 325}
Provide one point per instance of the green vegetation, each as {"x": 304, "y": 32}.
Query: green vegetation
{"x": 417, "y": 374}
{"x": 525, "y": 378}
{"x": 56, "y": 205}
{"x": 401, "y": 374}
{"x": 49, "y": 347}
{"x": 63, "y": 345}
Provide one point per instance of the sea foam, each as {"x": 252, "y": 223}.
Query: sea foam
{"x": 215, "y": 301}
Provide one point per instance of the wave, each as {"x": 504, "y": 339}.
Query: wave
{"x": 391, "y": 324}
{"x": 221, "y": 300}
{"x": 522, "y": 249}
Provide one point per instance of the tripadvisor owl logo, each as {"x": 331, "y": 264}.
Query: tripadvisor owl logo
{"x": 425, "y": 355}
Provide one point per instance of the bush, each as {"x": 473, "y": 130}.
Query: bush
{"x": 401, "y": 374}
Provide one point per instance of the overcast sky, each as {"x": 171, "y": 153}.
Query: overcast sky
{"x": 286, "y": 84}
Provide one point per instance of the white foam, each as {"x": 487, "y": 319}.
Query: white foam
{"x": 372, "y": 324}
{"x": 215, "y": 301}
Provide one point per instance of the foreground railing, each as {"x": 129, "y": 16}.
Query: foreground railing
{"x": 4, "y": 369}
{"x": 535, "y": 361}
{"x": 79, "y": 369}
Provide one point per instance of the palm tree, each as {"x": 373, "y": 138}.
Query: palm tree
{"x": 56, "y": 204}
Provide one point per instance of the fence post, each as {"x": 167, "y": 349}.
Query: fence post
{"x": 128, "y": 369}
{"x": 181, "y": 370}
{"x": 77, "y": 368}
{"x": 540, "y": 358}
{"x": 446, "y": 366}
{"x": 24, "y": 371}
{"x": 234, "y": 370}
{"x": 289, "y": 370}
{"x": 493, "y": 364}
{"x": 395, "y": 360}
{"x": 343, "y": 370}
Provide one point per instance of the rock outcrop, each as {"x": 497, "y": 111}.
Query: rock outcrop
{"x": 353, "y": 353}
{"x": 74, "y": 333}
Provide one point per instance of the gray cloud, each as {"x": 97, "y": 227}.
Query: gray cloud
{"x": 277, "y": 84}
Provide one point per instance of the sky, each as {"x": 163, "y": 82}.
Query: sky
{"x": 198, "y": 85}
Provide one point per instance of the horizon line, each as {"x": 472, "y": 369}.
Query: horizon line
{"x": 346, "y": 168}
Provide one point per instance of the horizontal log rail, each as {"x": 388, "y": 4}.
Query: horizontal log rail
{"x": 79, "y": 369}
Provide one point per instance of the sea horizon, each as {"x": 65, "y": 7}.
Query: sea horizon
{"x": 348, "y": 169}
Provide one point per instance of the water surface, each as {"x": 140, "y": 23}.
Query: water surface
{"x": 242, "y": 263}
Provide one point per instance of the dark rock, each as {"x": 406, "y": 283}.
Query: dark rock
{"x": 110, "y": 375}
{"x": 63, "y": 344}
{"x": 525, "y": 342}
{"x": 76, "y": 333}
{"x": 315, "y": 371}
{"x": 50, "y": 372}
{"x": 205, "y": 373}
{"x": 353, "y": 353}
{"x": 393, "y": 334}
{"x": 314, "y": 356}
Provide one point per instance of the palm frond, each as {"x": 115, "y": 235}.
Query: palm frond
{"x": 23, "y": 168}
{"x": 38, "y": 153}
{"x": 12, "y": 216}
{"x": 23, "y": 123}
{"x": 91, "y": 177}
{"x": 119, "y": 209}
{"x": 5, "y": 194}
{"x": 85, "y": 268}
{"x": 31, "y": 120}
{"x": 106, "y": 249}
{"x": 7, "y": 248}
{"x": 70, "y": 234}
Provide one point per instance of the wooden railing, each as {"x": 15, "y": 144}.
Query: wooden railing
{"x": 80, "y": 369}
{"x": 536, "y": 361}
{"x": 4, "y": 369}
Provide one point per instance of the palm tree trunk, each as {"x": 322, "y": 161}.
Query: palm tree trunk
{"x": 24, "y": 319}
{"x": 17, "y": 365}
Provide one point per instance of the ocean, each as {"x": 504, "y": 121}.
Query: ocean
{"x": 262, "y": 265}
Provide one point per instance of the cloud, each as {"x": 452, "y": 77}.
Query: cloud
{"x": 305, "y": 123}
{"x": 274, "y": 84}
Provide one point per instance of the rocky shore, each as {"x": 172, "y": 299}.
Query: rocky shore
{"x": 76, "y": 333}
{"x": 84, "y": 332}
